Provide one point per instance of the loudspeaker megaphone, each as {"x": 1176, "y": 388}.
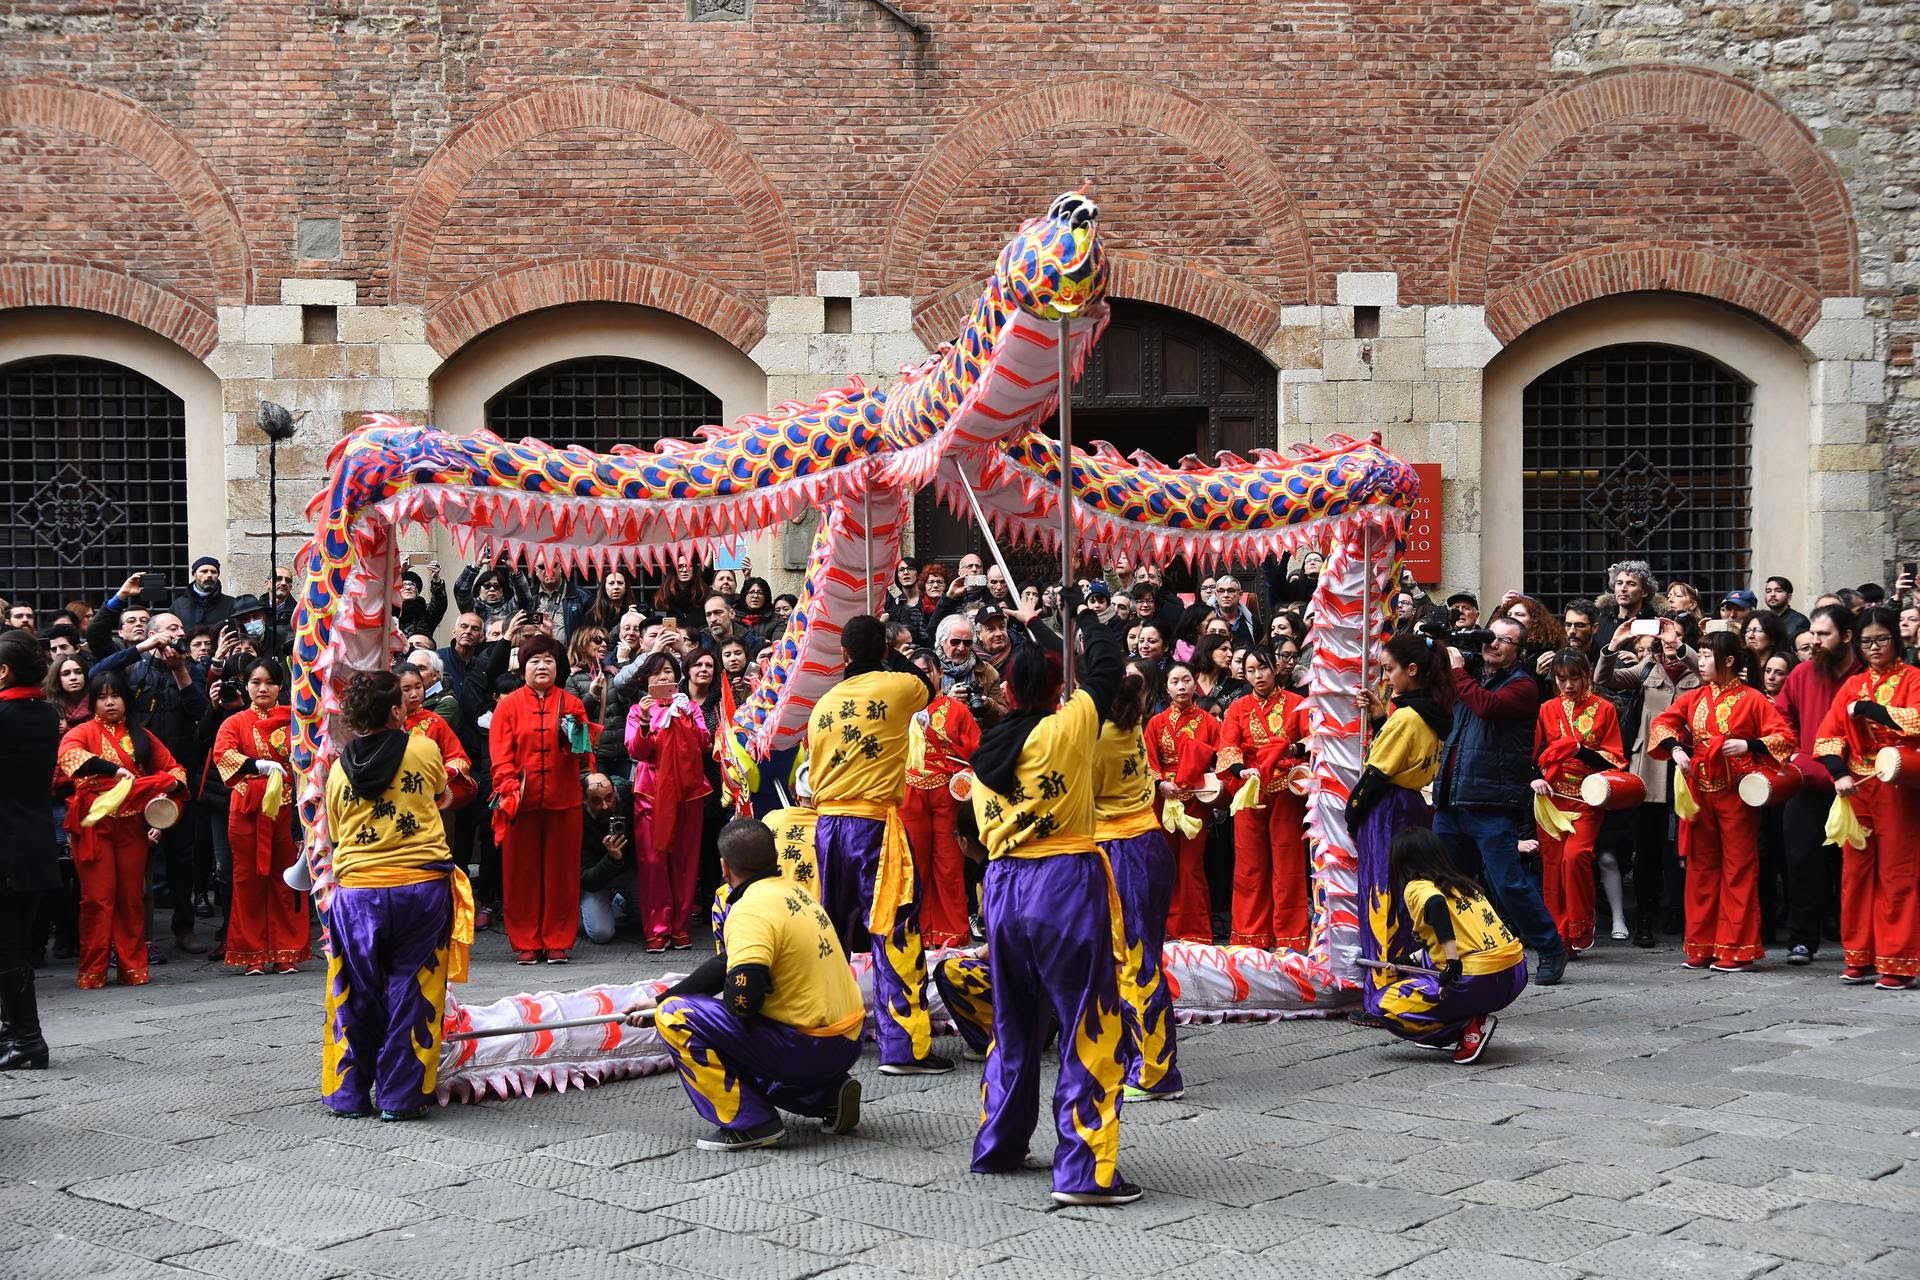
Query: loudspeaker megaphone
{"x": 299, "y": 876}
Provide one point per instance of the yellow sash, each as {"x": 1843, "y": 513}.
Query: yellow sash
{"x": 1684, "y": 805}
{"x": 1248, "y": 796}
{"x": 1178, "y": 822}
{"x": 1551, "y": 818}
{"x": 271, "y": 798}
{"x": 1133, "y": 824}
{"x": 460, "y": 944}
{"x": 1844, "y": 829}
{"x": 108, "y": 802}
{"x": 893, "y": 878}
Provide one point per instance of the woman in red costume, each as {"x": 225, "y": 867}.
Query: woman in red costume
{"x": 668, "y": 740}
{"x": 267, "y": 927}
{"x": 1880, "y": 883}
{"x": 941, "y": 742}
{"x": 540, "y": 740}
{"x": 430, "y": 724}
{"x": 114, "y": 768}
{"x": 1715, "y": 735}
{"x": 1181, "y": 744}
{"x": 1262, "y": 737}
{"x": 1578, "y": 733}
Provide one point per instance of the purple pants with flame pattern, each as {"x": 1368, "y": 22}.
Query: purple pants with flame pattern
{"x": 847, "y": 851}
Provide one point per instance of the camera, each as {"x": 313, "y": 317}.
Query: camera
{"x": 967, "y": 691}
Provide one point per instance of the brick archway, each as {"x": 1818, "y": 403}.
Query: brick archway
{"x": 1212, "y": 297}
{"x": 180, "y": 320}
{"x": 1706, "y": 97}
{"x": 125, "y": 125}
{"x": 1108, "y": 102}
{"x": 580, "y": 105}
{"x": 534, "y": 286}
{"x": 1652, "y": 268}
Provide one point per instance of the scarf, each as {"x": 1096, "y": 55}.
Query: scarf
{"x": 952, "y": 673}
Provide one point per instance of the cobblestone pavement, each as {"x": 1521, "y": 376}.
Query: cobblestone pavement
{"x": 1639, "y": 1121}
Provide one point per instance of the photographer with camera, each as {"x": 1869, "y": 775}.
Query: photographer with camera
{"x": 607, "y": 882}
{"x": 1482, "y": 790}
{"x": 966, "y": 676}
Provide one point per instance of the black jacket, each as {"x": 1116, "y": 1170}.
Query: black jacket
{"x": 29, "y": 741}
{"x": 196, "y": 610}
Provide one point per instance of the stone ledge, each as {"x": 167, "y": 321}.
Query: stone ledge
{"x": 319, "y": 293}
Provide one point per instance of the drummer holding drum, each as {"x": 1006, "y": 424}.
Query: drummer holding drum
{"x": 1576, "y": 737}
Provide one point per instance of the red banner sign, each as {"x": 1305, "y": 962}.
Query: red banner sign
{"x": 1423, "y": 527}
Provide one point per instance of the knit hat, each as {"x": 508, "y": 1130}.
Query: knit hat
{"x": 413, "y": 578}
{"x": 205, "y": 560}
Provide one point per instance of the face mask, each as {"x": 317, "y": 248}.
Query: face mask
{"x": 1207, "y": 595}
{"x": 255, "y": 629}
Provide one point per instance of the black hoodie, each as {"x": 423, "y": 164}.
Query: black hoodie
{"x": 997, "y": 761}
{"x": 371, "y": 763}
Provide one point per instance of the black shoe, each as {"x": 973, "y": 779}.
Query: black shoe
{"x": 1801, "y": 954}
{"x": 360, "y": 1114}
{"x": 405, "y": 1113}
{"x": 190, "y": 943}
{"x": 1122, "y": 1192}
{"x": 844, "y": 1115}
{"x": 931, "y": 1065}
{"x": 1643, "y": 938}
{"x": 1552, "y": 969}
{"x": 770, "y": 1134}
{"x": 25, "y": 1054}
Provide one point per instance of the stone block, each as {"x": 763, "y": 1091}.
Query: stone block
{"x": 781, "y": 353}
{"x": 235, "y": 360}
{"x": 837, "y": 284}
{"x": 1842, "y": 308}
{"x": 243, "y": 462}
{"x": 411, "y": 396}
{"x": 1400, "y": 359}
{"x": 882, "y": 315}
{"x": 1367, "y": 288}
{"x": 1834, "y": 339}
{"x": 1848, "y": 457}
{"x": 1426, "y": 402}
{"x": 1294, "y": 346}
{"x": 1460, "y": 401}
{"x": 1297, "y": 316}
{"x": 892, "y": 351}
{"x": 835, "y": 355}
{"x": 796, "y": 315}
{"x": 298, "y": 361}
{"x": 324, "y": 395}
{"x": 1403, "y": 322}
{"x": 1641, "y": 1257}
{"x": 1347, "y": 359}
{"x": 1839, "y": 491}
{"x": 1316, "y": 403}
{"x": 1839, "y": 424}
{"x": 1344, "y": 1204}
{"x": 1522, "y": 1234}
{"x": 231, "y": 323}
{"x": 383, "y": 324}
{"x": 407, "y": 360}
{"x": 319, "y": 293}
{"x": 1336, "y": 322}
{"x": 1375, "y": 402}
{"x": 272, "y": 324}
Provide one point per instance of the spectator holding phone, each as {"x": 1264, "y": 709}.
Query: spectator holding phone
{"x": 420, "y": 616}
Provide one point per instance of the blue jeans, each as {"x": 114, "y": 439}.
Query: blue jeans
{"x": 1485, "y": 843}
{"x": 598, "y": 915}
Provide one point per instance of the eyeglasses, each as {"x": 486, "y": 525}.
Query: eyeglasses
{"x": 957, "y": 643}
{"x": 1875, "y": 642}
{"x": 1506, "y": 640}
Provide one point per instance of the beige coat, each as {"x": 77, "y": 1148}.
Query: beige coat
{"x": 1658, "y": 692}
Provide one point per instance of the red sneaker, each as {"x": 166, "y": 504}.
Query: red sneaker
{"x": 1893, "y": 982}
{"x": 1855, "y": 975}
{"x": 1474, "y": 1040}
{"x": 526, "y": 957}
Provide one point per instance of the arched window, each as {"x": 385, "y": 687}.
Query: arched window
{"x": 93, "y": 476}
{"x": 601, "y": 401}
{"x": 1639, "y": 452}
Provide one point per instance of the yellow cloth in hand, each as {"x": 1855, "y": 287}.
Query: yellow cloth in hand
{"x": 109, "y": 802}
{"x": 1178, "y": 822}
{"x": 1843, "y": 825}
{"x": 1684, "y": 805}
{"x": 1551, "y": 818}
{"x": 1248, "y": 796}
{"x": 275, "y": 795}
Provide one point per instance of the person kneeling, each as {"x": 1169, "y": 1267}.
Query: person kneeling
{"x": 773, "y": 1019}
{"x": 1481, "y": 967}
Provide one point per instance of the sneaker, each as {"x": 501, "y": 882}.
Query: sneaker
{"x": 1435, "y": 1048}
{"x": 1552, "y": 970}
{"x": 844, "y": 1115}
{"x": 482, "y": 918}
{"x": 770, "y": 1134}
{"x": 1731, "y": 966}
{"x": 977, "y": 926}
{"x": 1134, "y": 1093}
{"x": 1856, "y": 975}
{"x": 1122, "y": 1192}
{"x": 256, "y": 971}
{"x": 558, "y": 957}
{"x": 682, "y": 942}
{"x": 1474, "y": 1040}
{"x": 1693, "y": 964}
{"x": 972, "y": 1054}
{"x": 1620, "y": 933}
{"x": 656, "y": 946}
{"x": 154, "y": 954}
{"x": 288, "y": 968}
{"x": 931, "y": 1065}
{"x": 526, "y": 957}
{"x": 405, "y": 1113}
{"x": 1801, "y": 954}
{"x": 1893, "y": 982}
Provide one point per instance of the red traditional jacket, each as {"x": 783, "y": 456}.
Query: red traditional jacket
{"x": 1700, "y": 720}
{"x": 1563, "y": 728}
{"x": 246, "y": 736}
{"x": 952, "y": 736}
{"x": 1181, "y": 746}
{"x": 533, "y": 767}
{"x": 1259, "y": 733}
{"x": 92, "y": 740}
{"x": 1858, "y": 740}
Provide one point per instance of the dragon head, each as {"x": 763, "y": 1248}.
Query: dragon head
{"x": 1055, "y": 267}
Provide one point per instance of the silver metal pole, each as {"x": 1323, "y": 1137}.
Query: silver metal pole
{"x": 1366, "y": 627}
{"x": 1066, "y": 500}
{"x": 866, "y": 520}
{"x": 980, "y": 522}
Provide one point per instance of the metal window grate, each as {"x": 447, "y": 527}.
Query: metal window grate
{"x": 601, "y": 401}
{"x": 1637, "y": 452}
{"x": 93, "y": 479}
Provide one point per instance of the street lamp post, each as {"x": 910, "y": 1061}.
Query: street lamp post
{"x": 277, "y": 425}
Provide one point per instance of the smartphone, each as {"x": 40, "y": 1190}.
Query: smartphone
{"x": 417, "y": 558}
{"x": 1717, "y": 624}
{"x": 1911, "y": 568}
{"x": 977, "y": 580}
{"x": 1644, "y": 627}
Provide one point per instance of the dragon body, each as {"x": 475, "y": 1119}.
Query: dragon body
{"x": 967, "y": 417}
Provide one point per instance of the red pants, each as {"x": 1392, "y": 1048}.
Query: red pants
{"x": 540, "y": 879}
{"x": 1566, "y": 871}
{"x": 929, "y": 816}
{"x": 1880, "y": 884}
{"x": 111, "y": 860}
{"x": 1190, "y": 915}
{"x": 1721, "y": 846}
{"x": 1270, "y": 874}
{"x": 268, "y": 922}
{"x": 665, "y": 877}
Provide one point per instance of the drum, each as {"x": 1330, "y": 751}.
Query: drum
{"x": 1613, "y": 789}
{"x": 1770, "y": 786}
{"x": 1300, "y": 779}
{"x": 1210, "y": 790}
{"x": 960, "y": 787}
{"x": 1898, "y": 766}
{"x": 464, "y": 788}
{"x": 162, "y": 812}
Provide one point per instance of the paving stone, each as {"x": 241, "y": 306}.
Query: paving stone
{"x": 50, "y": 1211}
{"x": 835, "y": 1237}
{"x": 361, "y": 1170}
{"x": 1358, "y": 1251}
{"x": 58, "y": 1157}
{"x": 1233, "y": 1182}
{"x": 537, "y": 1170}
{"x": 1766, "y": 1237}
{"x": 1104, "y": 1247}
{"x": 1633, "y": 1215}
{"x": 1237, "y": 1230}
{"x": 1273, "y": 1266}
{"x": 630, "y": 1188}
{"x": 307, "y": 1216}
{"x": 1156, "y": 1209}
{"x": 489, "y": 1200}
{"x": 1019, "y": 1268}
{"x": 183, "y": 1177}
{"x": 1792, "y": 1153}
{"x": 1822, "y": 1186}
{"x": 1734, "y": 1173}
{"x": 611, "y": 1150}
{"x": 605, "y": 1227}
{"x": 734, "y": 1214}
{"x": 932, "y": 1258}
{"x": 1469, "y": 1264}
{"x": 1642, "y": 1257}
{"x": 1597, "y": 1180}
{"x": 716, "y": 1253}
{"x": 259, "y": 1262}
{"x": 1854, "y": 1222}
{"x": 1738, "y": 1204}
{"x": 962, "y": 1219}
{"x": 901, "y": 1166}
{"x": 582, "y": 1263}
{"x": 1369, "y": 1207}
{"x": 1511, "y": 1195}
{"x": 67, "y": 1259}
{"x": 164, "y": 1239}
{"x": 1516, "y": 1232}
{"x": 438, "y": 1247}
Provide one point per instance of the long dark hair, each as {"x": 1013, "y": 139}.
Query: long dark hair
{"x": 24, "y": 659}
{"x": 1154, "y": 683}
{"x": 1730, "y": 654}
{"x": 1425, "y": 658}
{"x": 1417, "y": 854}
{"x": 605, "y": 611}
{"x": 114, "y": 683}
{"x": 1130, "y": 703}
{"x": 1876, "y": 616}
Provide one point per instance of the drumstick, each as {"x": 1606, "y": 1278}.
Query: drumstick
{"x": 1400, "y": 968}
{"x": 518, "y": 1028}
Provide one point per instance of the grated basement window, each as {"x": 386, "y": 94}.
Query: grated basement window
{"x": 93, "y": 480}
{"x": 1637, "y": 452}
